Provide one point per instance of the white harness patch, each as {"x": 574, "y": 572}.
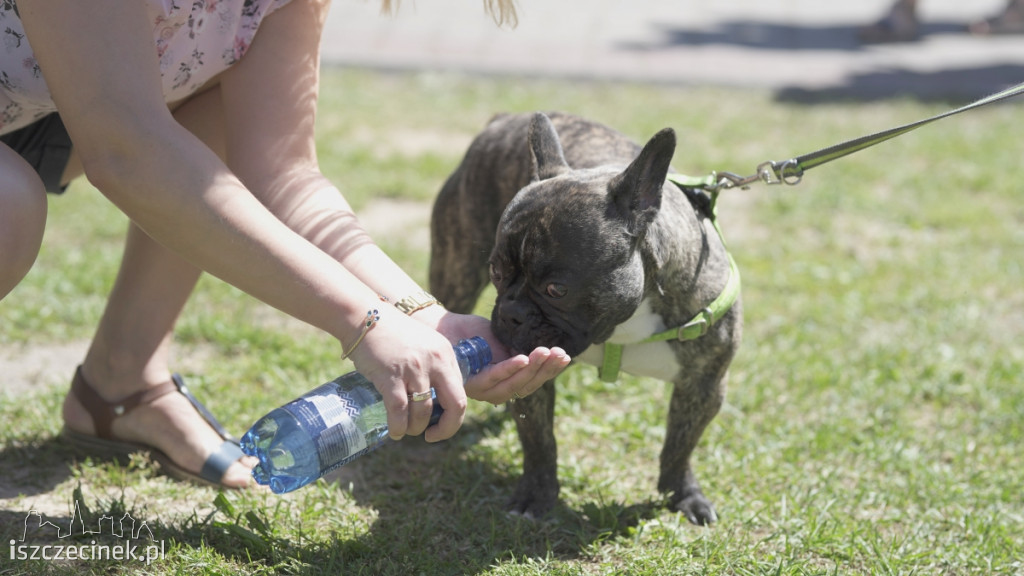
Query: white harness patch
{"x": 651, "y": 359}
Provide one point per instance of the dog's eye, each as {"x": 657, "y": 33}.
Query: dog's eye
{"x": 556, "y": 290}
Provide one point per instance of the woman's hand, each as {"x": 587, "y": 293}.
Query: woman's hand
{"x": 509, "y": 377}
{"x": 518, "y": 376}
{"x": 402, "y": 358}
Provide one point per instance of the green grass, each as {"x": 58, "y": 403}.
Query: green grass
{"x": 874, "y": 414}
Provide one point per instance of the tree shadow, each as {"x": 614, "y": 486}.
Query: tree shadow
{"x": 770, "y": 36}
{"x": 953, "y": 86}
{"x": 947, "y": 85}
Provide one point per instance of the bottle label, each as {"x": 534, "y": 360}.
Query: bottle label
{"x": 333, "y": 406}
{"x": 330, "y": 417}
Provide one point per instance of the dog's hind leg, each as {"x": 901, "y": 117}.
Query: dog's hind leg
{"x": 696, "y": 399}
{"x": 458, "y": 258}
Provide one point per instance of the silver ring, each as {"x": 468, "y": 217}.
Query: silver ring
{"x": 420, "y": 396}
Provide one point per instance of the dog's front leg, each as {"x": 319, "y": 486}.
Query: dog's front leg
{"x": 537, "y": 491}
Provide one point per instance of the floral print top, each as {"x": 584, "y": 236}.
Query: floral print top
{"x": 194, "y": 39}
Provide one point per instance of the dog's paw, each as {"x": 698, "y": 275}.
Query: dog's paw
{"x": 532, "y": 501}
{"x": 529, "y": 507}
{"x": 697, "y": 509}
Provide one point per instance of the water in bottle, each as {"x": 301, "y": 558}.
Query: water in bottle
{"x": 332, "y": 425}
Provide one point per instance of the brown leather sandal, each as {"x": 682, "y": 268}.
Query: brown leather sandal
{"x": 104, "y": 445}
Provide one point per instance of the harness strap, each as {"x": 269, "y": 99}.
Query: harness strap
{"x": 703, "y": 320}
{"x": 612, "y": 362}
{"x": 696, "y": 327}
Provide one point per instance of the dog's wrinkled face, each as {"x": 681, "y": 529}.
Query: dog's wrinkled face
{"x": 566, "y": 261}
{"x": 566, "y": 273}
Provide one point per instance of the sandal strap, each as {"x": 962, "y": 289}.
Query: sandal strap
{"x": 103, "y": 412}
{"x": 218, "y": 463}
{"x": 179, "y": 383}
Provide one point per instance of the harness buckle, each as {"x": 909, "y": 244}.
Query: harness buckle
{"x": 697, "y": 327}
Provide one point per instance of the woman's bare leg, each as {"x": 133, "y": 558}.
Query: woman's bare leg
{"x": 130, "y": 349}
{"x": 22, "y": 218}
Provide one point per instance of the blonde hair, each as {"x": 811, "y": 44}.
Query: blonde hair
{"x": 503, "y": 11}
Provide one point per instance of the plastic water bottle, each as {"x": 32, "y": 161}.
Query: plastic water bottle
{"x": 332, "y": 425}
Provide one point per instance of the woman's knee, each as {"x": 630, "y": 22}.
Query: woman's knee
{"x": 22, "y": 218}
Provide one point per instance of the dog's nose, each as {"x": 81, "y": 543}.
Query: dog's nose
{"x": 512, "y": 313}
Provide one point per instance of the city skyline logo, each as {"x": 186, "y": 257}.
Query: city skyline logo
{"x": 137, "y": 542}
{"x": 118, "y": 527}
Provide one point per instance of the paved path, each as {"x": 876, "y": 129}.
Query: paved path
{"x": 803, "y": 49}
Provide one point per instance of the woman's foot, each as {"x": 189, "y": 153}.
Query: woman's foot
{"x": 169, "y": 423}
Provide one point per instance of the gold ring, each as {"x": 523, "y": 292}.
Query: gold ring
{"x": 421, "y": 396}
{"x": 516, "y": 396}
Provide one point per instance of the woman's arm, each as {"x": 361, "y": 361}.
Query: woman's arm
{"x": 100, "y": 64}
{"x": 279, "y": 163}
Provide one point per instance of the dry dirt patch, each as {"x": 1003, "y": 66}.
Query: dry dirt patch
{"x": 31, "y": 367}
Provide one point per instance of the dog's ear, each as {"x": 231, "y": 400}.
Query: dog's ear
{"x": 636, "y": 192}
{"x": 546, "y": 157}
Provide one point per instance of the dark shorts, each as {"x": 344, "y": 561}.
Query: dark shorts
{"x": 46, "y": 146}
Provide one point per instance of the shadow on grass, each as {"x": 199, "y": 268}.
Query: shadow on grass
{"x": 33, "y": 466}
{"x": 464, "y": 489}
{"x": 439, "y": 510}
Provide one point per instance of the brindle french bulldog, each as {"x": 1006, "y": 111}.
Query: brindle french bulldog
{"x": 587, "y": 244}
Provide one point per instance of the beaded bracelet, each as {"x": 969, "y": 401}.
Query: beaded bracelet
{"x": 372, "y": 317}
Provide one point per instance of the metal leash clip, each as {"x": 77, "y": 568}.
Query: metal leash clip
{"x": 787, "y": 172}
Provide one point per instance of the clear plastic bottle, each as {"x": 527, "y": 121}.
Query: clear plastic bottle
{"x": 332, "y": 425}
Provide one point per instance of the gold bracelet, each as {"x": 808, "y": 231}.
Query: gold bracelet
{"x": 372, "y": 317}
{"x": 415, "y": 302}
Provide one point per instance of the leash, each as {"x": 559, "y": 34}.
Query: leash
{"x": 791, "y": 172}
